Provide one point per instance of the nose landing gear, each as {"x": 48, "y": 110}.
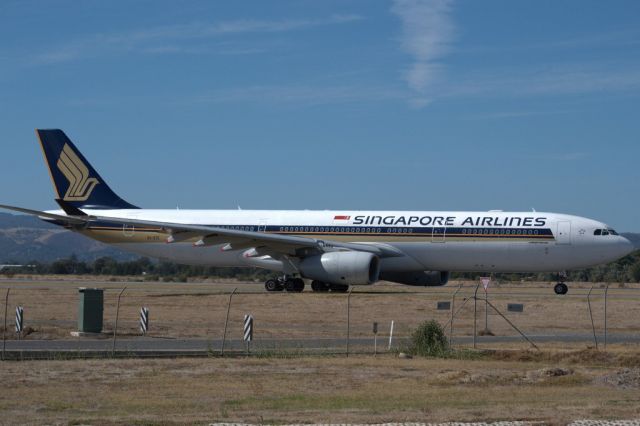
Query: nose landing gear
{"x": 561, "y": 288}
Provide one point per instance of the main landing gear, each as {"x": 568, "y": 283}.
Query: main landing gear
{"x": 295, "y": 285}
{"x": 561, "y": 288}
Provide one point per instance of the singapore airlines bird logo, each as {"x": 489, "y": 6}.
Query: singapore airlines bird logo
{"x": 77, "y": 173}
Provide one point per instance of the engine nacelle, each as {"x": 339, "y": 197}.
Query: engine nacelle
{"x": 342, "y": 267}
{"x": 421, "y": 278}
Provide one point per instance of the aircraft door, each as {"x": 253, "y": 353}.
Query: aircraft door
{"x": 129, "y": 231}
{"x": 563, "y": 235}
{"x": 262, "y": 225}
{"x": 438, "y": 234}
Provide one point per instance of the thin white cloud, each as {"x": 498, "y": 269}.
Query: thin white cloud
{"x": 499, "y": 115}
{"x": 571, "y": 79}
{"x": 298, "y": 95}
{"x": 169, "y": 39}
{"x": 427, "y": 32}
{"x": 560, "y": 156}
{"x": 301, "y": 94}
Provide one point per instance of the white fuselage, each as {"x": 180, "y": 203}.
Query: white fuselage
{"x": 492, "y": 241}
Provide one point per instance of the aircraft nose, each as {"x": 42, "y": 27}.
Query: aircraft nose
{"x": 626, "y": 246}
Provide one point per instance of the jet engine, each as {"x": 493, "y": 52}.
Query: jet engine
{"x": 343, "y": 267}
{"x": 420, "y": 278}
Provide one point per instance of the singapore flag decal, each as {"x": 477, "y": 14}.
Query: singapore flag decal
{"x": 341, "y": 217}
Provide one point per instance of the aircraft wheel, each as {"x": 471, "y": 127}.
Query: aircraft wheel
{"x": 289, "y": 284}
{"x": 272, "y": 285}
{"x": 298, "y": 285}
{"x": 339, "y": 288}
{"x": 561, "y": 288}
{"x": 319, "y": 286}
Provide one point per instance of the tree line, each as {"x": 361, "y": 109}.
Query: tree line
{"x": 624, "y": 270}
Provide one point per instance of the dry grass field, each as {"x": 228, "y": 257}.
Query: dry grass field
{"x": 198, "y": 309}
{"x": 553, "y": 387}
{"x": 562, "y": 382}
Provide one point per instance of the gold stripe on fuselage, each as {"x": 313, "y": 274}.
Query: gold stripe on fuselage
{"x": 155, "y": 235}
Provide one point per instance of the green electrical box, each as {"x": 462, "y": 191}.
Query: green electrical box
{"x": 90, "y": 309}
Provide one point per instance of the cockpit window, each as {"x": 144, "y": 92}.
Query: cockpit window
{"x": 605, "y": 232}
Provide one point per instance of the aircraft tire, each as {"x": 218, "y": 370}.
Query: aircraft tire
{"x": 289, "y": 284}
{"x": 298, "y": 285}
{"x": 319, "y": 286}
{"x": 272, "y": 285}
{"x": 339, "y": 288}
{"x": 561, "y": 289}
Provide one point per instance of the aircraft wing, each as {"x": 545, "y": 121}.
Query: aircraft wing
{"x": 286, "y": 245}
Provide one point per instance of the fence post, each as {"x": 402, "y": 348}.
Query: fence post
{"x": 4, "y": 330}
{"x": 348, "y": 319}
{"x": 226, "y": 322}
{"x": 453, "y": 301}
{"x": 593, "y": 326}
{"x": 475, "y": 316}
{"x": 115, "y": 328}
{"x": 606, "y": 291}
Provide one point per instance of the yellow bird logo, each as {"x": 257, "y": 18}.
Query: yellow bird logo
{"x": 77, "y": 173}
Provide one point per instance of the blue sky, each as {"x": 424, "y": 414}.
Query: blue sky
{"x": 405, "y": 104}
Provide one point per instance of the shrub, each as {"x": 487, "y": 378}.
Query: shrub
{"x": 635, "y": 272}
{"x": 429, "y": 340}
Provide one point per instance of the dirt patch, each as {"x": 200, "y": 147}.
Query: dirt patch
{"x": 627, "y": 378}
{"x": 585, "y": 356}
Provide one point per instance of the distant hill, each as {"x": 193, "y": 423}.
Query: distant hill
{"x": 633, "y": 237}
{"x": 25, "y": 239}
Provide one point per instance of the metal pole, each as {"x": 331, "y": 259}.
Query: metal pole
{"x": 4, "y": 330}
{"x": 226, "y": 322}
{"x": 475, "y": 317}
{"x": 457, "y": 310}
{"x": 375, "y": 344}
{"x": 513, "y": 325}
{"x": 390, "y": 335}
{"x": 348, "y": 318}
{"x": 486, "y": 312}
{"x": 606, "y": 291}
{"x": 115, "y": 328}
{"x": 453, "y": 301}
{"x": 593, "y": 326}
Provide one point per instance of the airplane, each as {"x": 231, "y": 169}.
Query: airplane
{"x": 333, "y": 249}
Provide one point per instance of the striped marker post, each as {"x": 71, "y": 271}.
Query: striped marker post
{"x": 144, "y": 320}
{"x": 248, "y": 330}
{"x": 19, "y": 319}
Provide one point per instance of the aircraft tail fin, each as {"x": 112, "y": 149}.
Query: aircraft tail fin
{"x": 76, "y": 183}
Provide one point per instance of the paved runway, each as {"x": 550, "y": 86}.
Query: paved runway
{"x": 149, "y": 345}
